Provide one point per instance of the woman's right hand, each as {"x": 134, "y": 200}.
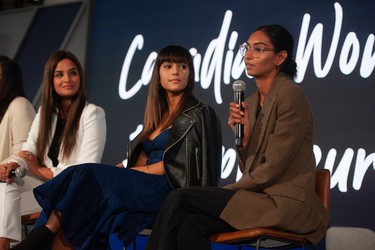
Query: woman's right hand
{"x": 5, "y": 170}
{"x": 236, "y": 116}
{"x": 33, "y": 165}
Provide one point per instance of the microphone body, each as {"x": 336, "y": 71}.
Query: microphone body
{"x": 19, "y": 172}
{"x": 239, "y": 87}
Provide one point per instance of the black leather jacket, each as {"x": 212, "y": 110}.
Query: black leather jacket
{"x": 194, "y": 150}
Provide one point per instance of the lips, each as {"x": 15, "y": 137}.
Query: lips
{"x": 175, "y": 80}
{"x": 68, "y": 87}
{"x": 248, "y": 65}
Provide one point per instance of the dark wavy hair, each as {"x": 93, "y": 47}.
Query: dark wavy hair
{"x": 282, "y": 40}
{"x": 11, "y": 84}
{"x": 157, "y": 103}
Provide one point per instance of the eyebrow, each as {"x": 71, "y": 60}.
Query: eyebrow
{"x": 258, "y": 43}
{"x": 74, "y": 68}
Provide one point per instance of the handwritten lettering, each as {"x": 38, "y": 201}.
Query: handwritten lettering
{"x": 211, "y": 68}
{"x": 350, "y": 51}
{"x": 339, "y": 175}
{"x": 221, "y": 62}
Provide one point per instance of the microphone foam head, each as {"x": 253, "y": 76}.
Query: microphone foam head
{"x": 239, "y": 86}
{"x": 20, "y": 172}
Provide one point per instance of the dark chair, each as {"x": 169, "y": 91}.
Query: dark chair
{"x": 273, "y": 238}
{"x": 28, "y": 220}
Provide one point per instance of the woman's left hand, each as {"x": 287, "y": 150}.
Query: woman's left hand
{"x": 156, "y": 168}
{"x": 31, "y": 160}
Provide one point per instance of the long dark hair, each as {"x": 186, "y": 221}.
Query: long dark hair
{"x": 51, "y": 103}
{"x": 157, "y": 103}
{"x": 282, "y": 40}
{"x": 11, "y": 84}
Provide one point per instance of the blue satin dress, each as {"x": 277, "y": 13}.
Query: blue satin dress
{"x": 97, "y": 200}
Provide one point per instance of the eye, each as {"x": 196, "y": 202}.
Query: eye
{"x": 183, "y": 66}
{"x": 167, "y": 66}
{"x": 258, "y": 49}
{"x": 58, "y": 74}
{"x": 73, "y": 73}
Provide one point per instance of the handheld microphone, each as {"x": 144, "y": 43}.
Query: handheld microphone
{"x": 19, "y": 172}
{"x": 239, "y": 87}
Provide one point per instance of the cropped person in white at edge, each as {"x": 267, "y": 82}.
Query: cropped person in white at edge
{"x": 16, "y": 116}
{"x": 66, "y": 131}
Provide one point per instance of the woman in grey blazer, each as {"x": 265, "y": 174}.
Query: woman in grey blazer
{"x": 276, "y": 158}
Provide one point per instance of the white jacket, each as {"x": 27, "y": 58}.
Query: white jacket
{"x": 90, "y": 142}
{"x": 14, "y": 127}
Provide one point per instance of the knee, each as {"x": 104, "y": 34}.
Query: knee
{"x": 174, "y": 196}
{"x": 177, "y": 199}
{"x": 178, "y": 195}
{"x": 194, "y": 221}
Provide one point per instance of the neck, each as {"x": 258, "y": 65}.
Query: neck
{"x": 263, "y": 88}
{"x": 173, "y": 102}
{"x": 64, "y": 108}
{"x": 264, "y": 85}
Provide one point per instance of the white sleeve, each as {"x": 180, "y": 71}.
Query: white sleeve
{"x": 93, "y": 136}
{"x": 30, "y": 144}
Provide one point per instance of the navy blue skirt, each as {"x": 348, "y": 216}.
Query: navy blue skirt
{"x": 97, "y": 200}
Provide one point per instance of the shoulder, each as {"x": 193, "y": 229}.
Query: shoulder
{"x": 291, "y": 97}
{"x": 91, "y": 108}
{"x": 293, "y": 93}
{"x": 21, "y": 106}
{"x": 92, "y": 112}
{"x": 203, "y": 114}
{"x": 286, "y": 90}
{"x": 199, "y": 107}
{"x": 20, "y": 102}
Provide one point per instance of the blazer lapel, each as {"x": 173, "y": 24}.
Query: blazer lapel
{"x": 253, "y": 106}
{"x": 259, "y": 125}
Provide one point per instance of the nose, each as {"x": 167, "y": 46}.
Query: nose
{"x": 175, "y": 69}
{"x": 66, "y": 77}
{"x": 249, "y": 53}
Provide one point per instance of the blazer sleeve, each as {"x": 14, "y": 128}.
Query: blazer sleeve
{"x": 30, "y": 144}
{"x": 93, "y": 132}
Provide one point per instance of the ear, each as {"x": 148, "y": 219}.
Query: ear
{"x": 280, "y": 57}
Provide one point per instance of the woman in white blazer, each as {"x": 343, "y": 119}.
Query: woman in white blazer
{"x": 66, "y": 131}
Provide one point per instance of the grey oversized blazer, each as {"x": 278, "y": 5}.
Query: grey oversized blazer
{"x": 278, "y": 166}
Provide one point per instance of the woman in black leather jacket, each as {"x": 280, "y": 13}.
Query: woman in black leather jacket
{"x": 193, "y": 148}
{"x": 179, "y": 146}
